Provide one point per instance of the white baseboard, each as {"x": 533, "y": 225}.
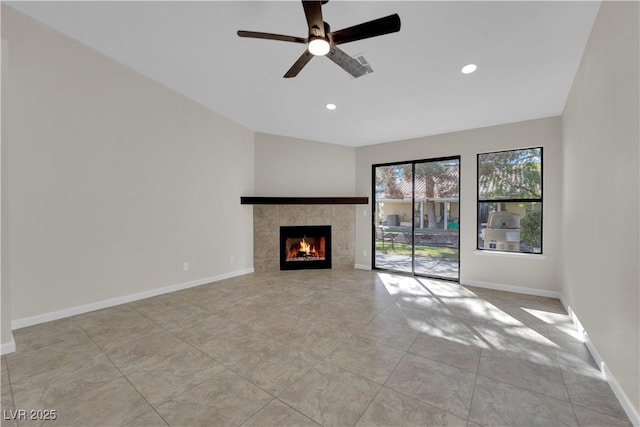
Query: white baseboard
{"x": 72, "y": 311}
{"x": 8, "y": 347}
{"x": 631, "y": 412}
{"x": 578, "y": 325}
{"x": 622, "y": 397}
{"x": 514, "y": 289}
{"x": 362, "y": 267}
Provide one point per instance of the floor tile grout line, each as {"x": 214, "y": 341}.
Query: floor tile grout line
{"x": 473, "y": 392}
{"x": 301, "y": 413}
{"x": 228, "y": 367}
{"x": 394, "y": 368}
{"x": 260, "y": 409}
{"x": 566, "y": 387}
{"x": 525, "y": 389}
{"x": 381, "y": 342}
{"x": 128, "y": 381}
{"x": 335, "y": 366}
{"x": 599, "y": 412}
{"x": 575, "y": 415}
{"x": 356, "y": 373}
{"x": 20, "y": 352}
{"x": 520, "y": 386}
{"x": 98, "y": 353}
{"x": 420, "y": 400}
{"x": 368, "y": 405}
{"x": 414, "y": 397}
{"x": 441, "y": 362}
{"x": 384, "y": 383}
{"x": 274, "y": 396}
{"x": 132, "y": 339}
{"x": 13, "y": 400}
{"x": 573, "y": 404}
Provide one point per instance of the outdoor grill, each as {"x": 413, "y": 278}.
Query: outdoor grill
{"x": 502, "y": 232}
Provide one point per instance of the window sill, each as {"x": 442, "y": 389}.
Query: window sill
{"x": 502, "y": 254}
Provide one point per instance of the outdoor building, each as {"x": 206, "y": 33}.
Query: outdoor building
{"x": 394, "y": 211}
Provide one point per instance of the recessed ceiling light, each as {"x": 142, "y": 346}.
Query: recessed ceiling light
{"x": 469, "y": 68}
{"x": 331, "y": 106}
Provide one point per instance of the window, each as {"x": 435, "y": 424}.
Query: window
{"x": 510, "y": 200}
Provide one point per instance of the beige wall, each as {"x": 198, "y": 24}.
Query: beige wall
{"x": 528, "y": 271}
{"x": 113, "y": 181}
{"x": 403, "y": 210}
{"x": 298, "y": 167}
{"x": 6, "y": 338}
{"x": 600, "y": 278}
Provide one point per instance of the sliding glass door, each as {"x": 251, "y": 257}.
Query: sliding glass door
{"x": 393, "y": 236}
{"x": 416, "y": 217}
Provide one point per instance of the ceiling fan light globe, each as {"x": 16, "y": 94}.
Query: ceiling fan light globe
{"x": 319, "y": 47}
{"x": 469, "y": 68}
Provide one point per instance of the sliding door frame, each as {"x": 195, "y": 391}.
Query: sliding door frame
{"x": 374, "y": 212}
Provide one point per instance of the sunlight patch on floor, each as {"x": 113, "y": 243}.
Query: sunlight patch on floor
{"x": 561, "y": 322}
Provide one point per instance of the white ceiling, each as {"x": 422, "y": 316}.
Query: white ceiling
{"x": 527, "y": 55}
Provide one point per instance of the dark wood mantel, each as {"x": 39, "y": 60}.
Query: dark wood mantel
{"x": 250, "y": 200}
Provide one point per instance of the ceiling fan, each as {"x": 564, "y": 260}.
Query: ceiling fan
{"x": 321, "y": 41}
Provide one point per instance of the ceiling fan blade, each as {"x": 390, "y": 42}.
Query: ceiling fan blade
{"x": 270, "y": 36}
{"x": 346, "y": 62}
{"x": 377, "y": 27}
{"x": 313, "y": 12}
{"x": 299, "y": 64}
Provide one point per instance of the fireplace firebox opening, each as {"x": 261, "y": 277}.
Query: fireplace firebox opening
{"x": 303, "y": 247}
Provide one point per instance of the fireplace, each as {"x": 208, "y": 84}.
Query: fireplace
{"x": 303, "y": 247}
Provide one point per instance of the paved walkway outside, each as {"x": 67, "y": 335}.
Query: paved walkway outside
{"x": 426, "y": 266}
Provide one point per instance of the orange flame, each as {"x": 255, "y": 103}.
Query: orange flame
{"x": 302, "y": 249}
{"x": 305, "y": 247}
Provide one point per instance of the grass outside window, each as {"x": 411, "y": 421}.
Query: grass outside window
{"x": 446, "y": 253}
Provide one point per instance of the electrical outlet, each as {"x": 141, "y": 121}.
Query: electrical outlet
{"x": 185, "y": 266}
{"x": 364, "y": 252}
{"x": 232, "y": 258}
{"x": 364, "y": 212}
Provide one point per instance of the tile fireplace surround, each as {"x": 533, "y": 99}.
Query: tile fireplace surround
{"x": 267, "y": 220}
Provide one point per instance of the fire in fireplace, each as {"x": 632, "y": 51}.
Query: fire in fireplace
{"x": 303, "y": 247}
{"x": 305, "y": 250}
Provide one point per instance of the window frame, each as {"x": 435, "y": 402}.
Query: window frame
{"x": 512, "y": 200}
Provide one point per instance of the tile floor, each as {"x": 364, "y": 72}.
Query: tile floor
{"x": 308, "y": 348}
